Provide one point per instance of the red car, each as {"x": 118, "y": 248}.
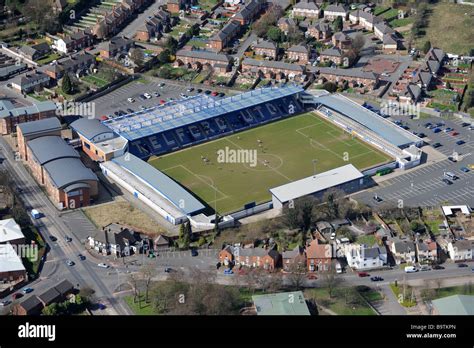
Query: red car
{"x": 103, "y": 118}
{"x": 162, "y": 101}
{"x": 17, "y": 296}
{"x": 454, "y": 133}
{"x": 312, "y": 276}
{"x": 363, "y": 274}
{"x": 214, "y": 93}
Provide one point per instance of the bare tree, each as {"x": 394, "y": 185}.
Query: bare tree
{"x": 147, "y": 271}
{"x": 331, "y": 280}
{"x": 358, "y": 43}
{"x": 297, "y": 275}
{"x": 133, "y": 278}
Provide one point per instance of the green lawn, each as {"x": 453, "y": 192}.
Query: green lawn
{"x": 367, "y": 240}
{"x": 139, "y": 308}
{"x": 454, "y": 290}
{"x": 345, "y": 301}
{"x": 404, "y": 301}
{"x": 395, "y": 23}
{"x": 450, "y": 27}
{"x": 392, "y": 13}
{"x": 277, "y": 161}
{"x": 32, "y": 261}
{"x": 48, "y": 59}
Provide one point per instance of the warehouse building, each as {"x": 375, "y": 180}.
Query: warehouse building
{"x": 346, "y": 178}
{"x": 35, "y": 129}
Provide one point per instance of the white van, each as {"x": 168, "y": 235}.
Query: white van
{"x": 450, "y": 175}
{"x": 410, "y": 269}
{"x": 338, "y": 268}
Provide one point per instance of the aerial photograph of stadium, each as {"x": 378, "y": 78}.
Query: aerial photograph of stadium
{"x": 181, "y": 158}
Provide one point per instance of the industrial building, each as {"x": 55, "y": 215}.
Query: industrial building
{"x": 11, "y": 115}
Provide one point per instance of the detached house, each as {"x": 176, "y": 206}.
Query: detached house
{"x": 461, "y": 250}
{"x": 336, "y": 10}
{"x": 266, "y": 49}
{"x": 341, "y": 40}
{"x": 226, "y": 255}
{"x": 320, "y": 31}
{"x": 285, "y": 24}
{"x": 76, "y": 41}
{"x": 360, "y": 257}
{"x": 114, "y": 240}
{"x": 294, "y": 257}
{"x": 403, "y": 251}
{"x": 115, "y": 46}
{"x": 306, "y": 8}
{"x": 318, "y": 256}
{"x": 298, "y": 53}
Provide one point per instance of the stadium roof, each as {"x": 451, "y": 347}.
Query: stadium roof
{"x": 283, "y": 303}
{"x": 382, "y": 127}
{"x": 50, "y": 148}
{"x": 316, "y": 183}
{"x": 160, "y": 182}
{"x": 47, "y": 124}
{"x": 195, "y": 109}
{"x": 10, "y": 260}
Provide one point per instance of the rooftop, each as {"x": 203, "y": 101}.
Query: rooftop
{"x": 50, "y": 148}
{"x": 316, "y": 183}
{"x": 68, "y": 171}
{"x": 44, "y": 125}
{"x": 10, "y": 230}
{"x": 284, "y": 303}
{"x": 183, "y": 112}
{"x": 7, "y": 109}
{"x": 160, "y": 182}
{"x": 10, "y": 260}
{"x": 455, "y": 305}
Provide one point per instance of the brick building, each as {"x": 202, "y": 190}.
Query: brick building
{"x": 321, "y": 30}
{"x": 294, "y": 258}
{"x": 222, "y": 38}
{"x": 318, "y": 256}
{"x": 28, "y": 82}
{"x": 32, "y": 130}
{"x": 265, "y": 48}
{"x": 257, "y": 257}
{"x": 306, "y": 8}
{"x": 298, "y": 53}
{"x": 333, "y": 11}
{"x": 355, "y": 78}
{"x": 11, "y": 266}
{"x": 11, "y": 116}
{"x": 114, "y": 46}
{"x": 272, "y": 69}
{"x": 76, "y": 41}
{"x": 333, "y": 54}
{"x": 196, "y": 59}
{"x": 249, "y": 11}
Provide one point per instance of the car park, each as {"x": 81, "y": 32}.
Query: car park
{"x": 27, "y": 290}
{"x": 103, "y": 265}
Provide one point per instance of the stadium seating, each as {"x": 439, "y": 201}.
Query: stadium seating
{"x": 171, "y": 140}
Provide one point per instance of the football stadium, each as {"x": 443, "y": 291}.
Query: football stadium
{"x": 172, "y": 154}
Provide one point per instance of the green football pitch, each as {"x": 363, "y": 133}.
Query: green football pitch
{"x": 285, "y": 152}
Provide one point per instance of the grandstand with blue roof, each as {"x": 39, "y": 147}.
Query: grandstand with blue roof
{"x": 165, "y": 128}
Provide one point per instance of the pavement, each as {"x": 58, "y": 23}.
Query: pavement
{"x": 389, "y": 305}
{"x": 83, "y": 273}
{"x": 422, "y": 185}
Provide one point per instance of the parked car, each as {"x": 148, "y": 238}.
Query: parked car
{"x": 70, "y": 263}
{"x": 162, "y": 102}
{"x": 5, "y": 303}
{"x": 462, "y": 265}
{"x": 447, "y": 130}
{"x": 438, "y": 267}
{"x": 454, "y": 134}
{"x": 147, "y": 95}
{"x": 131, "y": 100}
{"x": 168, "y": 269}
{"x": 421, "y": 135}
{"x": 218, "y": 265}
{"x": 103, "y": 265}
{"x": 377, "y": 199}
{"x": 452, "y": 159}
{"x": 208, "y": 92}
{"x": 411, "y": 269}
{"x": 194, "y": 252}
{"x": 190, "y": 89}
{"x": 36, "y": 214}
{"x": 436, "y": 130}
{"x": 425, "y": 268}
{"x": 312, "y": 276}
{"x": 228, "y": 271}
{"x": 447, "y": 182}
{"x": 464, "y": 169}
{"x": 436, "y": 145}
{"x": 465, "y": 124}
{"x": 162, "y": 84}
{"x": 156, "y": 94}
{"x": 68, "y": 239}
{"x": 460, "y": 142}
{"x": 363, "y": 274}
{"x": 53, "y": 238}
{"x": 27, "y": 290}
{"x": 333, "y": 236}
{"x": 214, "y": 93}
{"x": 81, "y": 257}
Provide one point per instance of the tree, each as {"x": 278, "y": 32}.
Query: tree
{"x": 329, "y": 86}
{"x": 184, "y": 239}
{"x": 338, "y": 24}
{"x": 164, "y": 56}
{"x": 358, "y": 43}
{"x": 147, "y": 271}
{"x": 297, "y": 275}
{"x": 426, "y": 46}
{"x": 52, "y": 309}
{"x": 294, "y": 35}
{"x": 274, "y": 34}
{"x": 331, "y": 280}
{"x": 345, "y": 232}
{"x": 171, "y": 44}
{"x": 66, "y": 85}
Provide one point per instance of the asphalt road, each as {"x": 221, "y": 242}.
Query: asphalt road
{"x": 423, "y": 186}
{"x": 83, "y": 273}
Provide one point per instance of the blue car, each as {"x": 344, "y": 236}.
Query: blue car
{"x": 27, "y": 290}
{"x": 459, "y": 142}
{"x": 228, "y": 271}
{"x": 436, "y": 130}
{"x": 464, "y": 169}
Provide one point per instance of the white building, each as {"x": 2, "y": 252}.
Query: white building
{"x": 461, "y": 250}
{"x": 333, "y": 11}
{"x": 361, "y": 258}
{"x": 10, "y": 232}
{"x": 306, "y": 8}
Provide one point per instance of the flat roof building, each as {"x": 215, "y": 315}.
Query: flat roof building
{"x": 347, "y": 178}
{"x": 283, "y": 303}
